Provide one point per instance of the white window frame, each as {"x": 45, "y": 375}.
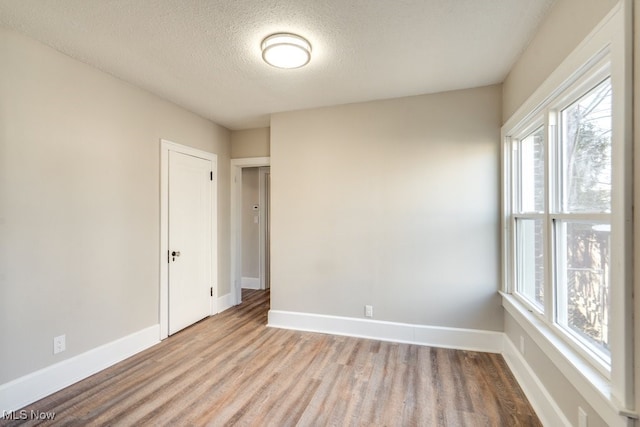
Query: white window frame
{"x": 519, "y": 133}
{"x": 599, "y": 72}
{"x": 608, "y": 391}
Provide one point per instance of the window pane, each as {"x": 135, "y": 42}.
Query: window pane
{"x": 586, "y": 152}
{"x": 583, "y": 282}
{"x": 530, "y": 260}
{"x": 532, "y": 172}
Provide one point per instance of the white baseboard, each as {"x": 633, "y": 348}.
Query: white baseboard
{"x": 434, "y": 336}
{"x": 224, "y": 302}
{"x": 545, "y": 406}
{"x": 250, "y": 282}
{"x": 32, "y": 387}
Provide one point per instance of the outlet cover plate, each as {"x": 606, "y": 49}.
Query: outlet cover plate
{"x": 59, "y": 344}
{"x": 368, "y": 311}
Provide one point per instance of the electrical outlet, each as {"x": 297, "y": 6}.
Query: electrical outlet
{"x": 368, "y": 311}
{"x": 522, "y": 345}
{"x": 59, "y": 344}
{"x": 582, "y": 417}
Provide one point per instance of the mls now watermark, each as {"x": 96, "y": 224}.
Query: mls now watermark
{"x": 23, "y": 414}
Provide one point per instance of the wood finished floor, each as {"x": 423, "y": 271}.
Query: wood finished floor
{"x": 231, "y": 369}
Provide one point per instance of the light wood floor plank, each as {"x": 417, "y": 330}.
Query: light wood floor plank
{"x": 231, "y": 370}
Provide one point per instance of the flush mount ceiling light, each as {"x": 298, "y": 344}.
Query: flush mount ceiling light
{"x": 285, "y": 50}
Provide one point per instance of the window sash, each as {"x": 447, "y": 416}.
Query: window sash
{"x": 563, "y": 291}
{"x": 526, "y": 261}
{"x": 554, "y": 296}
{"x": 600, "y": 81}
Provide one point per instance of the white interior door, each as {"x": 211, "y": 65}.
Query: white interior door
{"x": 189, "y": 242}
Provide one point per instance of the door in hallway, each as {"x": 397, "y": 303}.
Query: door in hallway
{"x": 190, "y": 228}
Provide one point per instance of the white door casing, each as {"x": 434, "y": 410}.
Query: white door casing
{"x": 264, "y": 234}
{"x": 236, "y": 224}
{"x": 188, "y": 247}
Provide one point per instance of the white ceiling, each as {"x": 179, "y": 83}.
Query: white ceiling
{"x": 205, "y": 54}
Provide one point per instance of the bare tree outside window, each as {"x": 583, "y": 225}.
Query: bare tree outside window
{"x": 584, "y": 248}
{"x": 586, "y": 143}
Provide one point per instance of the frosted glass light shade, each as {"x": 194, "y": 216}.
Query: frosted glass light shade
{"x": 286, "y": 50}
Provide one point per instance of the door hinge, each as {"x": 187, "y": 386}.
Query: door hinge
{"x": 211, "y": 175}
{"x": 212, "y": 291}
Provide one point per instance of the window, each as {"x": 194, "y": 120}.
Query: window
{"x": 568, "y": 220}
{"x": 582, "y": 230}
{"x": 586, "y": 152}
{"x": 561, "y": 181}
{"x": 583, "y": 283}
{"x": 529, "y": 218}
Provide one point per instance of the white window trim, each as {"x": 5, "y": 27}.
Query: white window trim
{"x": 612, "y": 397}
{"x": 595, "y": 388}
{"x": 581, "y": 83}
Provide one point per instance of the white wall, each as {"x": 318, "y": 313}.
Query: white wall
{"x": 391, "y": 203}
{"x": 250, "y": 229}
{"x": 79, "y": 212}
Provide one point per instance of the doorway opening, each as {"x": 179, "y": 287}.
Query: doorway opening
{"x": 250, "y": 243}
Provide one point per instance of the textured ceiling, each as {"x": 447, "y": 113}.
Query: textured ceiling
{"x": 205, "y": 54}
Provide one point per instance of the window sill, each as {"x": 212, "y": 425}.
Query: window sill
{"x": 593, "y": 386}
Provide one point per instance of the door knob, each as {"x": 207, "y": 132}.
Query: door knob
{"x": 174, "y": 254}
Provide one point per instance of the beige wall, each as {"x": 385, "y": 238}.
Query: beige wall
{"x": 250, "y": 229}
{"x": 566, "y": 25}
{"x": 391, "y": 203}
{"x": 79, "y": 194}
{"x": 250, "y": 143}
{"x": 563, "y": 393}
